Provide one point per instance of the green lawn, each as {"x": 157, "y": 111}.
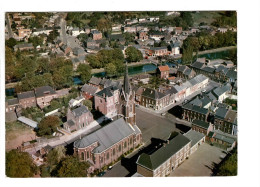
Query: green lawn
{"x": 204, "y": 16}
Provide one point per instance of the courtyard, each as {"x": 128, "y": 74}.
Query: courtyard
{"x": 201, "y": 162}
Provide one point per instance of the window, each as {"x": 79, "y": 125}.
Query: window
{"x": 107, "y": 155}
{"x": 101, "y": 159}
{"x": 82, "y": 156}
{"x": 131, "y": 140}
{"x": 125, "y": 144}
{"x": 114, "y": 152}
{"x": 119, "y": 148}
{"x": 87, "y": 155}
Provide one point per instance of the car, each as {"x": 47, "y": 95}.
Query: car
{"x": 203, "y": 91}
{"x": 101, "y": 174}
{"x": 110, "y": 167}
{"x": 163, "y": 114}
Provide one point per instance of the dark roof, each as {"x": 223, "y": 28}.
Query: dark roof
{"x": 232, "y": 74}
{"x": 12, "y": 101}
{"x": 95, "y": 80}
{"x": 153, "y": 94}
{"x": 158, "y": 157}
{"x": 222, "y": 89}
{"x": 195, "y": 108}
{"x": 200, "y": 123}
{"x": 211, "y": 133}
{"x": 157, "y": 48}
{"x": 70, "y": 123}
{"x": 107, "y": 92}
{"x": 95, "y": 32}
{"x": 194, "y": 136}
{"x": 80, "y": 110}
{"x": 25, "y": 95}
{"x": 41, "y": 91}
{"x": 24, "y": 45}
{"x": 182, "y": 68}
{"x": 197, "y": 65}
{"x": 89, "y": 89}
{"x": 224, "y": 138}
{"x": 221, "y": 112}
{"x": 231, "y": 116}
{"x": 208, "y": 69}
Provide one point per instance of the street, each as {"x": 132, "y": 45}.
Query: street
{"x": 63, "y": 31}
{"x": 10, "y": 33}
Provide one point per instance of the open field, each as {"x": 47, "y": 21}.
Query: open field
{"x": 204, "y": 16}
{"x": 16, "y": 133}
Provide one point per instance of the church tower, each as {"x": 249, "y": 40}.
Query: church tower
{"x": 127, "y": 101}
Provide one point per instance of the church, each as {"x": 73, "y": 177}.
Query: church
{"x": 107, "y": 144}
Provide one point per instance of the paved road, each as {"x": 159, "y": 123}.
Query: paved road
{"x": 63, "y": 31}
{"x": 10, "y": 33}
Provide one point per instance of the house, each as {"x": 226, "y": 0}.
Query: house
{"x": 79, "y": 52}
{"x": 11, "y": 105}
{"x": 174, "y": 48}
{"x": 143, "y": 78}
{"x": 92, "y": 44}
{"x": 76, "y": 102}
{"x": 201, "y": 126}
{"x": 78, "y": 118}
{"x": 166, "y": 159}
{"x": 231, "y": 75}
{"x": 185, "y": 72}
{"x": 130, "y": 29}
{"x": 106, "y": 101}
{"x": 157, "y": 51}
{"x": 26, "y": 99}
{"x": 178, "y": 30}
{"x": 138, "y": 94}
{"x": 66, "y": 49}
{"x": 46, "y": 31}
{"x": 196, "y": 138}
{"x": 96, "y": 35}
{"x": 153, "y": 99}
{"x": 44, "y": 95}
{"x": 24, "y": 33}
{"x": 164, "y": 72}
{"x": 142, "y": 35}
{"x": 76, "y": 31}
{"x": 157, "y": 35}
{"x": 226, "y": 141}
{"x": 24, "y": 46}
{"x": 107, "y": 144}
{"x": 191, "y": 112}
{"x": 94, "y": 81}
{"x": 221, "y": 93}
{"x": 88, "y": 91}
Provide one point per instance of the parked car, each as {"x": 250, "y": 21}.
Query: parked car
{"x": 110, "y": 167}
{"x": 101, "y": 174}
{"x": 163, "y": 114}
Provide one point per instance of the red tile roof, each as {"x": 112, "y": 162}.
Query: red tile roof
{"x": 164, "y": 68}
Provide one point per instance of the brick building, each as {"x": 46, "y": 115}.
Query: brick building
{"x": 191, "y": 112}
{"x": 142, "y": 35}
{"x": 164, "y": 72}
{"x": 107, "y": 144}
{"x": 78, "y": 118}
{"x": 201, "y": 126}
{"x": 157, "y": 51}
{"x": 27, "y": 99}
{"x": 44, "y": 95}
{"x": 106, "y": 101}
{"x": 185, "y": 72}
{"x": 166, "y": 159}
{"x": 96, "y": 35}
{"x": 88, "y": 91}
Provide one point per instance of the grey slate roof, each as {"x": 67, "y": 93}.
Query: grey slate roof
{"x": 232, "y": 74}
{"x": 202, "y": 124}
{"x": 70, "y": 123}
{"x": 197, "y": 65}
{"x": 196, "y": 102}
{"x": 40, "y": 92}
{"x": 158, "y": 157}
{"x": 208, "y": 69}
{"x": 89, "y": 89}
{"x": 221, "y": 90}
{"x": 95, "y": 80}
{"x": 194, "y": 136}
{"x": 107, "y": 92}
{"x": 80, "y": 110}
{"x": 106, "y": 136}
{"x": 13, "y": 101}
{"x": 182, "y": 68}
{"x": 224, "y": 138}
{"x": 153, "y": 94}
{"x": 25, "y": 95}
{"x": 195, "y": 108}
{"x": 158, "y": 48}
{"x": 221, "y": 112}
{"x": 28, "y": 121}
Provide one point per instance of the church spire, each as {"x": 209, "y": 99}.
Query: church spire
{"x": 126, "y": 81}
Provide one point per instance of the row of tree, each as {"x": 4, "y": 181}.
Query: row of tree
{"x": 205, "y": 41}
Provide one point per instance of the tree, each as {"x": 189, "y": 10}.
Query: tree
{"x": 110, "y": 69}
{"x": 52, "y": 35}
{"x": 93, "y": 61}
{"x": 19, "y": 164}
{"x": 133, "y": 54}
{"x": 55, "y": 155}
{"x": 11, "y": 42}
{"x": 36, "y": 40}
{"x": 84, "y": 71}
{"x": 72, "y": 167}
{"x": 88, "y": 103}
{"x": 48, "y": 125}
